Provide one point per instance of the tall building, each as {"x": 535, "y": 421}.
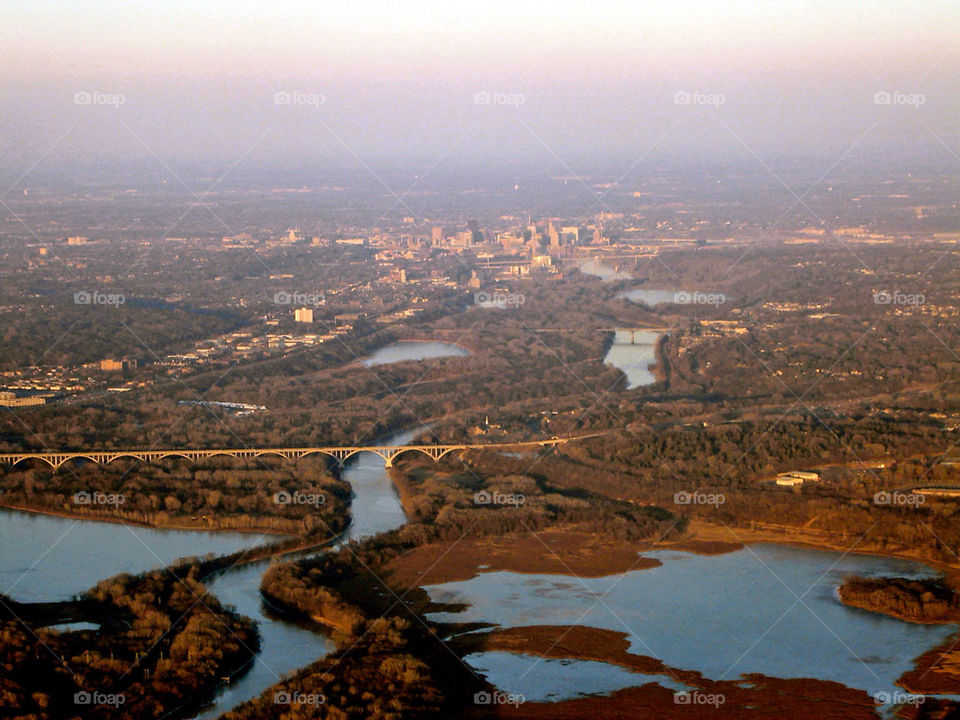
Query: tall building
{"x": 303, "y": 315}
{"x": 476, "y": 235}
{"x": 436, "y": 237}
{"x": 111, "y": 365}
{"x": 554, "y": 235}
{"x": 571, "y": 234}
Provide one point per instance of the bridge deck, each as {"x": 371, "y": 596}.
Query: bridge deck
{"x": 338, "y": 452}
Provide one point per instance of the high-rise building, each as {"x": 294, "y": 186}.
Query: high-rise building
{"x": 436, "y": 237}
{"x": 554, "y": 235}
{"x": 111, "y": 365}
{"x": 303, "y": 315}
{"x": 570, "y": 234}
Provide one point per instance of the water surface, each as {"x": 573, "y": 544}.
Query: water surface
{"x": 284, "y": 646}
{"x": 607, "y": 273}
{"x": 400, "y": 351}
{"x": 649, "y": 296}
{"x": 541, "y": 679}
{"x": 766, "y": 609}
{"x": 44, "y": 558}
{"x": 634, "y": 352}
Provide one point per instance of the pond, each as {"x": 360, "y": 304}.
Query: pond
{"x": 401, "y": 351}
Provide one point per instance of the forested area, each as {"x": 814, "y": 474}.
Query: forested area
{"x": 215, "y": 493}
{"x": 162, "y": 646}
{"x": 928, "y": 601}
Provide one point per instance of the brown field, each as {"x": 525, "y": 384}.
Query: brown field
{"x": 551, "y": 551}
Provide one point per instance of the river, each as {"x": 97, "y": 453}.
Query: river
{"x": 285, "y": 646}
{"x": 47, "y": 558}
{"x": 634, "y": 352}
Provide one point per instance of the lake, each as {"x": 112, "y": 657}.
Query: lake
{"x": 402, "y": 351}
{"x": 719, "y": 615}
{"x": 607, "y": 273}
{"x": 47, "y": 558}
{"x": 649, "y": 296}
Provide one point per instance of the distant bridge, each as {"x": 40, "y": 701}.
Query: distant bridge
{"x": 339, "y": 452}
{"x": 633, "y": 331}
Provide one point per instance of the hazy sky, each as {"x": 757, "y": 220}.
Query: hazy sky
{"x": 283, "y": 81}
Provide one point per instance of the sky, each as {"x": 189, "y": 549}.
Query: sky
{"x": 254, "y": 82}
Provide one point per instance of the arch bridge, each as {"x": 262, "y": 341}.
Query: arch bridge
{"x": 339, "y": 452}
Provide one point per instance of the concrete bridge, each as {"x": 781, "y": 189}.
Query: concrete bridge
{"x": 339, "y": 452}
{"x": 633, "y": 332}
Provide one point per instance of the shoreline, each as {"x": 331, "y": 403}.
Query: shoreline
{"x": 361, "y": 362}
{"x": 703, "y": 531}
{"x": 66, "y": 515}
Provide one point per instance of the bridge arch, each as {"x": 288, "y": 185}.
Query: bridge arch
{"x": 285, "y": 454}
{"x": 434, "y": 453}
{"x": 50, "y": 461}
{"x": 314, "y": 451}
{"x": 174, "y": 453}
{"x": 132, "y": 455}
{"x": 357, "y": 451}
{"x": 67, "y": 458}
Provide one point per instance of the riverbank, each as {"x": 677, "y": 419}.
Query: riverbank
{"x": 68, "y": 515}
{"x": 703, "y": 532}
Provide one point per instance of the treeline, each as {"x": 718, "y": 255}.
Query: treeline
{"x": 444, "y": 500}
{"x": 927, "y": 601}
{"x": 295, "y": 497}
{"x": 374, "y": 675}
{"x": 387, "y": 668}
{"x": 647, "y": 468}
